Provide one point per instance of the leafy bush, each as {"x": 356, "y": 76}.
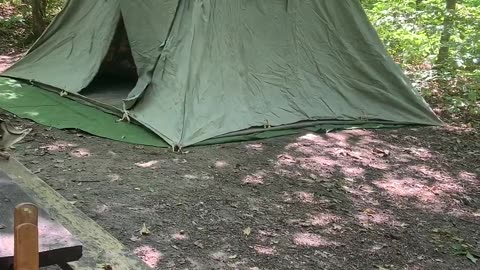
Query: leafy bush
{"x": 411, "y": 31}
{"x": 16, "y": 21}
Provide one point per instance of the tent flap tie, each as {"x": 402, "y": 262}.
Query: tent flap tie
{"x": 126, "y": 114}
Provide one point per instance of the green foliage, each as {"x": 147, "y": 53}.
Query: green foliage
{"x": 16, "y": 20}
{"x": 411, "y": 31}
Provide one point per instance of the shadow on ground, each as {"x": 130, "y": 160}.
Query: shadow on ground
{"x": 392, "y": 199}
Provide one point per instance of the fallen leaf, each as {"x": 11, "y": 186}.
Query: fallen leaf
{"x": 144, "y": 230}
{"x": 233, "y": 257}
{"x": 471, "y": 257}
{"x": 137, "y": 189}
{"x": 247, "y": 231}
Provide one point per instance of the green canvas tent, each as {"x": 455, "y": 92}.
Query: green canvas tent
{"x": 193, "y": 70}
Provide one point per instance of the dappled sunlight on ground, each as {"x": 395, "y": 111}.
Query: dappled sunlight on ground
{"x": 468, "y": 177}
{"x": 348, "y": 152}
{"x": 314, "y": 201}
{"x": 7, "y": 60}
{"x": 378, "y": 217}
{"x": 149, "y": 255}
{"x": 221, "y": 164}
{"x": 265, "y": 250}
{"x": 299, "y": 196}
{"x": 80, "y": 153}
{"x": 312, "y": 240}
{"x": 219, "y": 256}
{"x": 180, "y": 236}
{"x": 372, "y": 170}
{"x": 410, "y": 187}
{"x": 148, "y": 164}
{"x": 101, "y": 208}
{"x": 255, "y": 146}
{"x": 190, "y": 176}
{"x": 286, "y": 160}
{"x": 113, "y": 177}
{"x": 255, "y": 179}
{"x": 58, "y": 146}
{"x": 323, "y": 219}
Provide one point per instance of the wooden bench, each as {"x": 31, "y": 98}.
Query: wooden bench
{"x": 26, "y": 255}
{"x": 57, "y": 246}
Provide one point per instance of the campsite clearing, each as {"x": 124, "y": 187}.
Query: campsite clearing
{"x": 398, "y": 199}
{"x": 196, "y": 72}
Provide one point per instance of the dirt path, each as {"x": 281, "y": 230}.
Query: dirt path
{"x": 397, "y": 199}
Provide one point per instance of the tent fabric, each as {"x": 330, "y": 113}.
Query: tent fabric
{"x": 210, "y": 68}
{"x": 147, "y": 23}
{"x": 68, "y": 55}
{"x": 50, "y": 109}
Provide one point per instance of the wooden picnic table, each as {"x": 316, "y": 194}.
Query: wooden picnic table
{"x": 57, "y": 246}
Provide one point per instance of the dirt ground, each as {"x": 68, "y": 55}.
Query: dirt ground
{"x": 387, "y": 199}
{"x": 7, "y": 60}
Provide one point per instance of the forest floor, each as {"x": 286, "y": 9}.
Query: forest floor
{"x": 383, "y": 199}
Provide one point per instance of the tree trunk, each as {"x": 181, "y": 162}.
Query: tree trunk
{"x": 38, "y": 17}
{"x": 448, "y": 25}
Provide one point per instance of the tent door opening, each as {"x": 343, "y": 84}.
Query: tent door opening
{"x": 117, "y": 75}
